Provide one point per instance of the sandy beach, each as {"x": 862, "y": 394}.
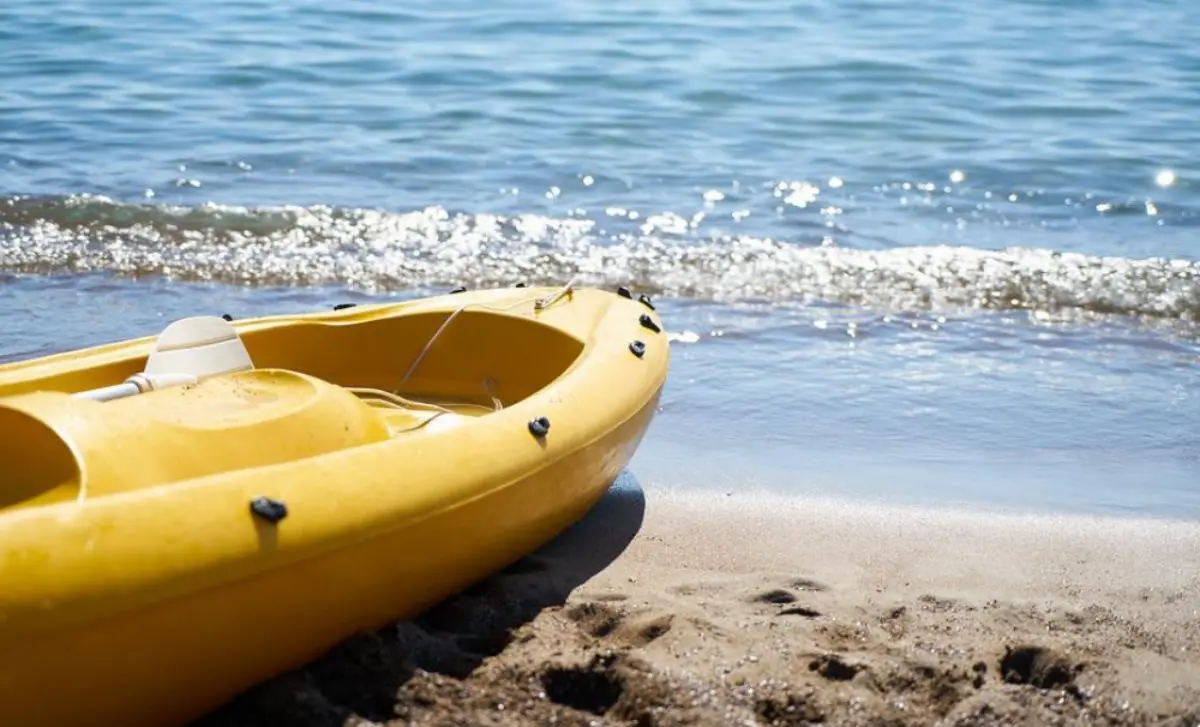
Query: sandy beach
{"x": 675, "y": 609}
{"x": 922, "y": 251}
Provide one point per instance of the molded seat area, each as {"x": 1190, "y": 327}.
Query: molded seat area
{"x": 61, "y": 447}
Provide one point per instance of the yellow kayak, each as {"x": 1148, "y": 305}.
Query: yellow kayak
{"x": 188, "y": 514}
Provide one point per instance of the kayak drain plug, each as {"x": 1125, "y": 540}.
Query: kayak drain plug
{"x": 648, "y": 322}
{"x": 268, "y": 509}
{"x": 638, "y": 348}
{"x": 538, "y": 427}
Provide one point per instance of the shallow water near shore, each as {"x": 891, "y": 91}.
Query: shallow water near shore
{"x": 975, "y": 409}
{"x": 918, "y": 254}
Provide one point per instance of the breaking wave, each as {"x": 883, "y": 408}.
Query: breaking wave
{"x": 379, "y": 250}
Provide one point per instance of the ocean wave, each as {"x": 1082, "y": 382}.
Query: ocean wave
{"x": 378, "y": 250}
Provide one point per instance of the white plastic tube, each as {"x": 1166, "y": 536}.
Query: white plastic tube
{"x": 137, "y": 384}
{"x": 108, "y": 393}
{"x": 152, "y": 382}
{"x": 188, "y": 350}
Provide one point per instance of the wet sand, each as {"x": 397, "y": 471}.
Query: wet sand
{"x": 670, "y": 609}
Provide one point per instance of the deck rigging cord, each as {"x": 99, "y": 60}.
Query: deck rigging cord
{"x": 392, "y": 399}
{"x": 539, "y": 303}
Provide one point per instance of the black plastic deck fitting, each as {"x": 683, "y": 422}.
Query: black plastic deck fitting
{"x": 638, "y": 348}
{"x": 269, "y": 509}
{"x": 539, "y": 427}
{"x": 648, "y": 322}
{"x": 344, "y": 306}
{"x": 624, "y": 292}
{"x": 645, "y": 300}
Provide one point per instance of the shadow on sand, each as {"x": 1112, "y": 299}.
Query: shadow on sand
{"x": 361, "y": 676}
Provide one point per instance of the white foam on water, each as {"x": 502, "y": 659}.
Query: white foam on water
{"x": 376, "y": 250}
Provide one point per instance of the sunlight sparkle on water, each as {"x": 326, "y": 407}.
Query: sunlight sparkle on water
{"x": 797, "y": 194}
{"x": 684, "y": 337}
{"x": 1165, "y": 178}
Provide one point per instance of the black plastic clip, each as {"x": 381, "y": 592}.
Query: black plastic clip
{"x": 645, "y": 300}
{"x": 539, "y": 427}
{"x": 624, "y": 292}
{"x": 268, "y": 509}
{"x": 648, "y": 322}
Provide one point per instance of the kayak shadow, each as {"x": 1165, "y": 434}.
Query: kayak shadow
{"x": 599, "y": 538}
{"x": 370, "y": 676}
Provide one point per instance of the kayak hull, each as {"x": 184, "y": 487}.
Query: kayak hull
{"x": 181, "y": 623}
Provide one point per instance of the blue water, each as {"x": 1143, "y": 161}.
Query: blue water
{"x": 915, "y": 251}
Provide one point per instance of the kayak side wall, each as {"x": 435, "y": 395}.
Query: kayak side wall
{"x": 178, "y": 659}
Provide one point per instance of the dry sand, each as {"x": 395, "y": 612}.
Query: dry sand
{"x": 769, "y": 611}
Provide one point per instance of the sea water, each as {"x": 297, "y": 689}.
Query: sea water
{"x": 924, "y": 252}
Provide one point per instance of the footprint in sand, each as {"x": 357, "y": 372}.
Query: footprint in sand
{"x": 776, "y": 596}
{"x": 834, "y": 668}
{"x": 642, "y": 631}
{"x": 595, "y": 619}
{"x": 780, "y": 597}
{"x": 800, "y": 611}
{"x": 601, "y": 621}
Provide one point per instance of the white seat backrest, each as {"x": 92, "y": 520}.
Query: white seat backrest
{"x": 202, "y": 346}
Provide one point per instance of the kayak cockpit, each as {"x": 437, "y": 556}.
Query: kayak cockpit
{"x": 209, "y": 400}
{"x": 476, "y": 358}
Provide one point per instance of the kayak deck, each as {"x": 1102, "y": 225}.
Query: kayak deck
{"x": 318, "y": 387}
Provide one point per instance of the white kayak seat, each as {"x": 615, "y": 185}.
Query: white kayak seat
{"x": 201, "y": 346}
{"x": 187, "y": 351}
